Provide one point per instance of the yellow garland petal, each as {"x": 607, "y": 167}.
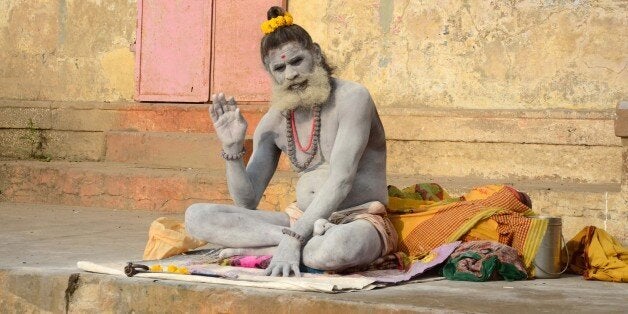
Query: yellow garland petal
{"x": 156, "y": 268}
{"x": 183, "y": 271}
{"x": 276, "y": 22}
{"x": 288, "y": 18}
{"x": 266, "y": 28}
{"x": 172, "y": 268}
{"x": 273, "y": 24}
{"x": 280, "y": 21}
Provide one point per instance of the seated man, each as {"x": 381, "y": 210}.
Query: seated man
{"x": 332, "y": 133}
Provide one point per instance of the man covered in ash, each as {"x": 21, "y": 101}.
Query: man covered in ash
{"x": 334, "y": 138}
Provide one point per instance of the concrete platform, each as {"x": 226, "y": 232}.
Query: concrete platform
{"x": 41, "y": 244}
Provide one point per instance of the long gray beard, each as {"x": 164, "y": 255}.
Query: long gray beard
{"x": 316, "y": 92}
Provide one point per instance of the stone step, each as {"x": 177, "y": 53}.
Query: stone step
{"x": 100, "y": 117}
{"x": 124, "y": 186}
{"x": 559, "y": 127}
{"x": 576, "y": 146}
{"x": 500, "y": 161}
{"x": 172, "y": 149}
{"x": 34, "y": 290}
{"x": 507, "y": 161}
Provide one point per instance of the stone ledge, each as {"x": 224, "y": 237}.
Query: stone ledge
{"x": 499, "y": 129}
{"x": 124, "y": 186}
{"x": 66, "y": 145}
{"x": 559, "y": 127}
{"x": 506, "y": 161}
{"x": 621, "y": 122}
{"x": 37, "y": 290}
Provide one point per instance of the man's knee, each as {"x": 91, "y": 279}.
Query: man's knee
{"x": 341, "y": 248}
{"x": 197, "y": 215}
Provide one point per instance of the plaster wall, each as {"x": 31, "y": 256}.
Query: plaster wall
{"x": 62, "y": 50}
{"x": 410, "y": 53}
{"x": 476, "y": 54}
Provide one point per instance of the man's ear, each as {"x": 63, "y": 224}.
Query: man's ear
{"x": 318, "y": 55}
{"x": 266, "y": 66}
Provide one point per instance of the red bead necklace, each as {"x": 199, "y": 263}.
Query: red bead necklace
{"x": 295, "y": 134}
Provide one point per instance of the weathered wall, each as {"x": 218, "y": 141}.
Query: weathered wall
{"x": 477, "y": 53}
{"x": 67, "y": 49}
{"x": 410, "y": 53}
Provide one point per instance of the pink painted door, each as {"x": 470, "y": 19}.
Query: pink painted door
{"x": 237, "y": 68}
{"x": 173, "y": 50}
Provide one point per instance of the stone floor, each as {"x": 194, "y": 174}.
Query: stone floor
{"x": 40, "y": 245}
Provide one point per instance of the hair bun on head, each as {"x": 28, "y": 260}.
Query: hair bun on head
{"x": 274, "y": 12}
{"x": 277, "y": 17}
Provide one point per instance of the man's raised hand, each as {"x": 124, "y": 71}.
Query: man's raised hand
{"x": 229, "y": 123}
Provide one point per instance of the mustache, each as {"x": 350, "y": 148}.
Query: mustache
{"x": 294, "y": 85}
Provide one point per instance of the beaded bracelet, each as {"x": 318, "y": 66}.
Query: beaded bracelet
{"x": 233, "y": 157}
{"x": 293, "y": 234}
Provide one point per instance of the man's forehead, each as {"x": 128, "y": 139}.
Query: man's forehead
{"x": 285, "y": 52}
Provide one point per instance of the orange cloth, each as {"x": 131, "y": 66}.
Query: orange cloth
{"x": 597, "y": 255}
{"x": 167, "y": 237}
{"x": 488, "y": 213}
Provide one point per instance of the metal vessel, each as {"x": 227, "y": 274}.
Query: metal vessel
{"x": 547, "y": 263}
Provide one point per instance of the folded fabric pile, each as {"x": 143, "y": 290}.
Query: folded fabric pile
{"x": 483, "y": 261}
{"x": 596, "y": 255}
{"x": 493, "y": 212}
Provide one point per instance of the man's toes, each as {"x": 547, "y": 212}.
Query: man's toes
{"x": 319, "y": 227}
{"x": 328, "y": 226}
{"x": 230, "y": 252}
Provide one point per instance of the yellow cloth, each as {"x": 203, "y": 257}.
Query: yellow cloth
{"x": 493, "y": 212}
{"x": 597, "y": 255}
{"x": 167, "y": 237}
{"x": 482, "y": 192}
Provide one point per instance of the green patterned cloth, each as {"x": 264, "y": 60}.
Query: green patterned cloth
{"x": 483, "y": 261}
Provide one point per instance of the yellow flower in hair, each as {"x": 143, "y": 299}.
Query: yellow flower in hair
{"x": 266, "y": 29}
{"x": 288, "y": 18}
{"x": 276, "y": 22}
{"x": 273, "y": 23}
{"x": 281, "y": 21}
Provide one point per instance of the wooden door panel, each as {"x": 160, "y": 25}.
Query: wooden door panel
{"x": 236, "y": 65}
{"x": 173, "y": 50}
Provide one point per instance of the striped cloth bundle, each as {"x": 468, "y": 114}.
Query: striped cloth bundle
{"x": 494, "y": 212}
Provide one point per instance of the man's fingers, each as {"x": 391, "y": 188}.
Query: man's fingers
{"x": 239, "y": 116}
{"x": 222, "y": 102}
{"x": 286, "y": 270}
{"x": 218, "y": 108}
{"x": 296, "y": 270}
{"x": 276, "y": 270}
{"x": 231, "y": 104}
{"x": 212, "y": 113}
{"x": 268, "y": 270}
